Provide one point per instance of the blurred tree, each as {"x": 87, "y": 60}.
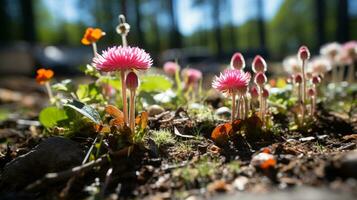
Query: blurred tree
{"x": 138, "y": 26}
{"x": 175, "y": 38}
{"x": 342, "y": 33}
{"x": 28, "y": 20}
{"x": 320, "y": 21}
{"x": 261, "y": 23}
{"x": 4, "y": 21}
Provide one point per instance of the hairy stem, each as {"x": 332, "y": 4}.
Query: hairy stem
{"x": 313, "y": 105}
{"x": 233, "y": 106}
{"x": 246, "y": 105}
{"x": 334, "y": 73}
{"x": 341, "y": 73}
{"x": 303, "y": 100}
{"x": 132, "y": 111}
{"x": 124, "y": 41}
{"x": 260, "y": 101}
{"x": 238, "y": 107}
{"x": 49, "y": 91}
{"x": 351, "y": 73}
{"x": 123, "y": 93}
{"x": 94, "y": 46}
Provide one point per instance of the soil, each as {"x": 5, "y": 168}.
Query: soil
{"x": 318, "y": 160}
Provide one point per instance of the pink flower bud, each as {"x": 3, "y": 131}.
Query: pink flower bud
{"x": 311, "y": 92}
{"x": 316, "y": 80}
{"x": 132, "y": 81}
{"x": 259, "y": 64}
{"x": 254, "y": 92}
{"x": 260, "y": 78}
{"x": 237, "y": 61}
{"x": 170, "y": 68}
{"x": 303, "y": 53}
{"x": 298, "y": 78}
{"x": 265, "y": 93}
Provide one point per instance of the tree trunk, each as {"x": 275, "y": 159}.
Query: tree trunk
{"x": 261, "y": 24}
{"x": 138, "y": 28}
{"x": 175, "y": 37}
{"x": 342, "y": 33}
{"x": 29, "y": 31}
{"x": 320, "y": 26}
{"x": 217, "y": 26}
{"x": 123, "y": 7}
{"x": 4, "y": 21}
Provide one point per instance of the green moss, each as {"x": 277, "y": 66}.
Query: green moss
{"x": 162, "y": 137}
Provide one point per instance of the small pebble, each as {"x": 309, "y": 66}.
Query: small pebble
{"x": 155, "y": 110}
{"x": 223, "y": 111}
{"x": 307, "y": 139}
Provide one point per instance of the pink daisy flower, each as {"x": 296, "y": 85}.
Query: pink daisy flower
{"x": 170, "y": 68}
{"x": 231, "y": 81}
{"x": 191, "y": 75}
{"x": 120, "y": 58}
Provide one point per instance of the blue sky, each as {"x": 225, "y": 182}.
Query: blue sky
{"x": 190, "y": 18}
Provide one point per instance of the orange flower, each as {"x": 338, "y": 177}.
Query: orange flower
{"x": 92, "y": 35}
{"x": 44, "y": 75}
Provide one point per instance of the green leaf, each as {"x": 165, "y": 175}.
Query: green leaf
{"x": 85, "y": 110}
{"x": 90, "y": 70}
{"x": 50, "y": 116}
{"x": 4, "y": 114}
{"x": 89, "y": 92}
{"x": 155, "y": 83}
{"x": 111, "y": 80}
{"x": 65, "y": 85}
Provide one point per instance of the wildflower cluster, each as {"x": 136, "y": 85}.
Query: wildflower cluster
{"x": 234, "y": 83}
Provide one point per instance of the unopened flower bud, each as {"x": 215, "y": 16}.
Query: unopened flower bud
{"x": 311, "y": 92}
{"x": 259, "y": 64}
{"x": 132, "y": 81}
{"x": 303, "y": 53}
{"x": 260, "y": 78}
{"x": 298, "y": 78}
{"x": 237, "y": 61}
{"x": 316, "y": 80}
{"x": 265, "y": 93}
{"x": 254, "y": 92}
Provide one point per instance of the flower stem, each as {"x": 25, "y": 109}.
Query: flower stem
{"x": 238, "y": 107}
{"x": 341, "y": 73}
{"x": 299, "y": 92}
{"x": 94, "y": 46}
{"x": 123, "y": 92}
{"x": 123, "y": 38}
{"x": 132, "y": 111}
{"x": 334, "y": 73}
{"x": 233, "y": 106}
{"x": 242, "y": 110}
{"x": 246, "y": 105}
{"x": 49, "y": 91}
{"x": 351, "y": 73}
{"x": 260, "y": 102}
{"x": 313, "y": 105}
{"x": 303, "y": 100}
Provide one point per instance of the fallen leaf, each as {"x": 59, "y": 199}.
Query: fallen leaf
{"x": 221, "y": 133}
{"x": 219, "y": 186}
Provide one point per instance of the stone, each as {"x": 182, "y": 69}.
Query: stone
{"x": 223, "y": 111}
{"x": 155, "y": 110}
{"x": 52, "y": 155}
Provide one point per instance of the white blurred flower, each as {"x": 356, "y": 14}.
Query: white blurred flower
{"x": 331, "y": 50}
{"x": 319, "y": 65}
{"x": 292, "y": 65}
